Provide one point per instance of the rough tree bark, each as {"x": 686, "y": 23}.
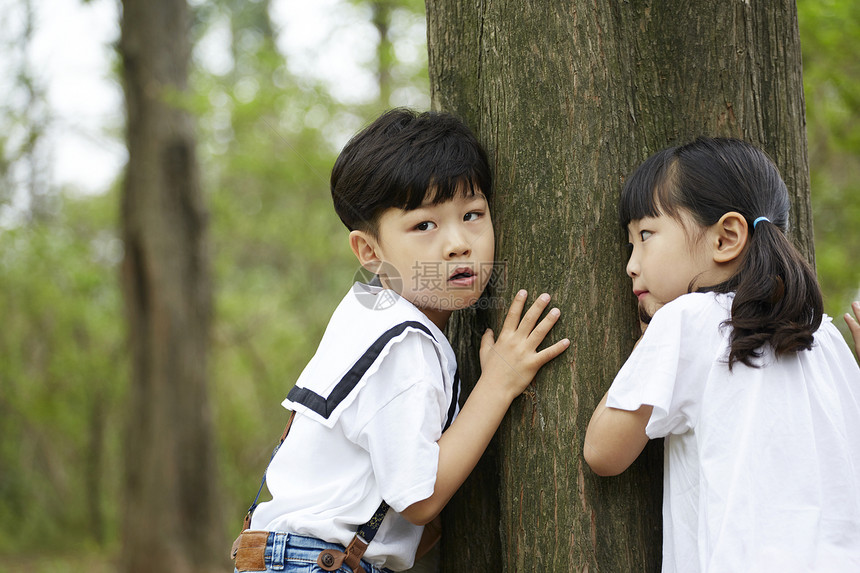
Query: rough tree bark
{"x": 568, "y": 96}
{"x": 170, "y": 520}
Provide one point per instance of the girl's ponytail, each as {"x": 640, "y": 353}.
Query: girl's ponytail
{"x": 777, "y": 298}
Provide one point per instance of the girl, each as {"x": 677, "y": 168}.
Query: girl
{"x": 755, "y": 391}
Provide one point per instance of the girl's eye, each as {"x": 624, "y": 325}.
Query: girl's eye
{"x": 644, "y": 235}
{"x": 425, "y": 226}
{"x": 471, "y": 216}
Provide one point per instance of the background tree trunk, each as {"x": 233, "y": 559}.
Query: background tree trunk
{"x": 381, "y": 11}
{"x": 170, "y": 521}
{"x": 568, "y": 97}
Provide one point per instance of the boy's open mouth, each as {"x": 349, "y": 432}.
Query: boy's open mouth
{"x": 462, "y": 276}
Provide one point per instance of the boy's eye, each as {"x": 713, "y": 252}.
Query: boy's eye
{"x": 644, "y": 235}
{"x": 425, "y": 226}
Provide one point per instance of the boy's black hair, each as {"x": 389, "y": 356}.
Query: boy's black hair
{"x": 403, "y": 159}
{"x": 777, "y": 298}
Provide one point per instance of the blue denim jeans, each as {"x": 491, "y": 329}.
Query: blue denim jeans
{"x": 290, "y": 553}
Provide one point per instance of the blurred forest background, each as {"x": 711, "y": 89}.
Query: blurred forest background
{"x": 268, "y": 133}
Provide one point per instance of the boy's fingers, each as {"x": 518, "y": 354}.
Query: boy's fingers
{"x": 553, "y": 351}
{"x": 516, "y": 311}
{"x": 533, "y": 314}
{"x": 487, "y": 338}
{"x": 487, "y": 342}
{"x": 544, "y": 326}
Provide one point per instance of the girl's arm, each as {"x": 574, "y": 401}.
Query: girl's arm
{"x": 508, "y": 365}
{"x": 615, "y": 438}
{"x": 854, "y": 326}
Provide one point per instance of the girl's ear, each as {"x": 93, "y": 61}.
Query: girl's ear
{"x": 730, "y": 237}
{"x": 366, "y": 250}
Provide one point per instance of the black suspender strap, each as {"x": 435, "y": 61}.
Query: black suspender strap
{"x": 455, "y": 391}
{"x": 247, "y": 522}
{"x": 369, "y": 529}
{"x": 328, "y": 559}
{"x": 366, "y": 531}
{"x": 331, "y": 560}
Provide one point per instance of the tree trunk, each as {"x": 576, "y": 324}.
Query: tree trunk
{"x": 170, "y": 521}
{"x": 568, "y": 97}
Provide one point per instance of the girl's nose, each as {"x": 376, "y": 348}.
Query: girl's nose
{"x": 633, "y": 267}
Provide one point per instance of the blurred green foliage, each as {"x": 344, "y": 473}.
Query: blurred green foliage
{"x": 62, "y": 375}
{"x": 829, "y": 31}
{"x": 281, "y": 263}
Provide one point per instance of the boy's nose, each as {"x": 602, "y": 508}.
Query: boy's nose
{"x": 458, "y": 245}
{"x": 460, "y": 251}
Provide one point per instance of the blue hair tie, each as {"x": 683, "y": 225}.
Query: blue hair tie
{"x": 756, "y": 222}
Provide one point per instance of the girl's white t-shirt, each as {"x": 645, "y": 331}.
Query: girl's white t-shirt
{"x": 762, "y": 465}
{"x": 378, "y": 441}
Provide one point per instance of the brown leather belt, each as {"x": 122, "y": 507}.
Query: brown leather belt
{"x": 249, "y": 553}
{"x": 249, "y": 550}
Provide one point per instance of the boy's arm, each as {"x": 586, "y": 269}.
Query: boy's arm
{"x": 508, "y": 365}
{"x": 615, "y": 438}
{"x": 854, "y": 326}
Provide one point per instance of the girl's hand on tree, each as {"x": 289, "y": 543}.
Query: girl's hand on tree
{"x": 854, "y": 326}
{"x": 512, "y": 360}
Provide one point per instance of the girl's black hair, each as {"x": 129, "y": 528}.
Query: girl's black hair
{"x": 777, "y": 298}
{"x": 402, "y": 159}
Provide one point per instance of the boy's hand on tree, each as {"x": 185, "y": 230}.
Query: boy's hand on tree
{"x": 512, "y": 360}
{"x": 508, "y": 365}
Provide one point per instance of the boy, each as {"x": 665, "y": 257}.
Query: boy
{"x": 376, "y": 406}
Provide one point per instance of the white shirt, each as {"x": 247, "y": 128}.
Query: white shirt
{"x": 762, "y": 465}
{"x": 366, "y": 438}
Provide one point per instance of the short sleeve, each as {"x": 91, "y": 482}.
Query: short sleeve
{"x": 670, "y": 367}
{"x": 399, "y": 418}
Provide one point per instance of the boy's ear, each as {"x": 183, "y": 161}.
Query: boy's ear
{"x": 730, "y": 237}
{"x": 366, "y": 250}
